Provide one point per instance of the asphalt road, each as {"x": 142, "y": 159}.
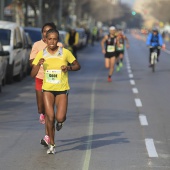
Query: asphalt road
{"x": 122, "y": 125}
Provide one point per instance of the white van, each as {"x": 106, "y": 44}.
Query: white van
{"x": 26, "y": 50}
{"x": 4, "y": 56}
{"x": 10, "y": 37}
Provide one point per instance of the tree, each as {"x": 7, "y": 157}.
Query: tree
{"x": 159, "y": 10}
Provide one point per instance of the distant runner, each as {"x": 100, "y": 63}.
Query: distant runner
{"x": 108, "y": 45}
{"x": 120, "y": 48}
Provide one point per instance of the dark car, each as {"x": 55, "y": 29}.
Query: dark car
{"x": 34, "y": 33}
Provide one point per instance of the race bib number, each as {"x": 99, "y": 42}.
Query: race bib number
{"x": 53, "y": 76}
{"x": 121, "y": 47}
{"x": 110, "y": 48}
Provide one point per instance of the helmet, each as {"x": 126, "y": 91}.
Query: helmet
{"x": 155, "y": 29}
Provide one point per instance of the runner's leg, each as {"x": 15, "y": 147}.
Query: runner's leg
{"x": 40, "y": 104}
{"x": 112, "y": 61}
{"x": 121, "y": 57}
{"x": 49, "y": 100}
{"x": 61, "y": 102}
{"x": 107, "y": 63}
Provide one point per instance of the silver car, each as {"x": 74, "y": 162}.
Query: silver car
{"x": 4, "y": 57}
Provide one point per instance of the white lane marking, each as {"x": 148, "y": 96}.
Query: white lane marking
{"x": 138, "y": 102}
{"x": 132, "y": 82}
{"x": 135, "y": 90}
{"x": 151, "y": 148}
{"x": 167, "y": 51}
{"x": 143, "y": 120}
{"x": 128, "y": 67}
{"x": 90, "y": 130}
{"x": 129, "y": 71}
{"x": 130, "y": 75}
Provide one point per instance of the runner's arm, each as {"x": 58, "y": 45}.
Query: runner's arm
{"x": 103, "y": 43}
{"x": 33, "y": 53}
{"x": 36, "y": 68}
{"x": 66, "y": 39}
{"x": 76, "y": 39}
{"x": 127, "y": 42}
{"x": 74, "y": 67}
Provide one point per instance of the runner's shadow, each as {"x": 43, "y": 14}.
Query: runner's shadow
{"x": 96, "y": 141}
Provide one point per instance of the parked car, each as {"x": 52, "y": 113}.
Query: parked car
{"x": 10, "y": 37}
{"x": 34, "y": 32}
{"x": 27, "y": 45}
{"x": 25, "y": 57}
{"x": 4, "y": 57}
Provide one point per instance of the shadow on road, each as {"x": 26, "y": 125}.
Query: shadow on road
{"x": 98, "y": 140}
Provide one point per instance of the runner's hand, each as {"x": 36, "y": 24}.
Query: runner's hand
{"x": 127, "y": 45}
{"x": 104, "y": 51}
{"x": 41, "y": 61}
{"x": 64, "y": 69}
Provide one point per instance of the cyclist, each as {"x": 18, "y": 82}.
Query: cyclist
{"x": 154, "y": 40}
{"x": 55, "y": 87}
{"x": 120, "y": 47}
{"x": 72, "y": 40}
{"x": 108, "y": 45}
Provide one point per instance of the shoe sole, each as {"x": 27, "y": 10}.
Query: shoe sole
{"x": 42, "y": 142}
{"x": 58, "y": 128}
{"x": 51, "y": 153}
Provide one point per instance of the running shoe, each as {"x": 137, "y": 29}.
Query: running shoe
{"x": 109, "y": 79}
{"x": 117, "y": 68}
{"x": 59, "y": 126}
{"x": 120, "y": 64}
{"x": 51, "y": 149}
{"x": 42, "y": 118}
{"x": 45, "y": 141}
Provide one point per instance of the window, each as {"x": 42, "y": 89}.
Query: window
{"x": 34, "y": 34}
{"x": 5, "y": 35}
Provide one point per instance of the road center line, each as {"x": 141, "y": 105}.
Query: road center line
{"x": 167, "y": 51}
{"x": 135, "y": 90}
{"x": 90, "y": 130}
{"x": 132, "y": 82}
{"x": 143, "y": 120}
{"x": 138, "y": 102}
{"x": 128, "y": 67}
{"x": 130, "y": 75}
{"x": 151, "y": 148}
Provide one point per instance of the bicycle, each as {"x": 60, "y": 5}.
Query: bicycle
{"x": 154, "y": 56}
